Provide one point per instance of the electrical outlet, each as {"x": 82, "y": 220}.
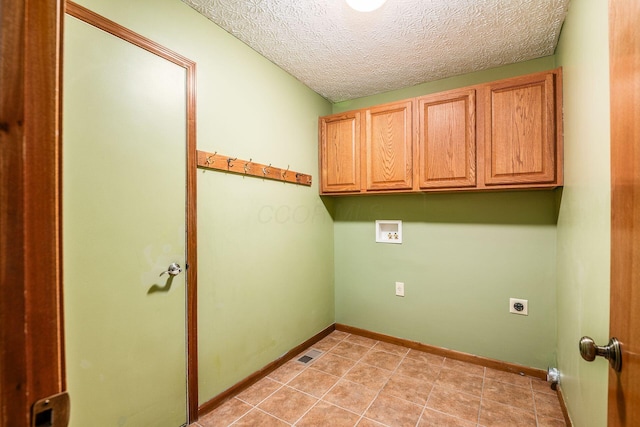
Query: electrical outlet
{"x": 519, "y": 306}
{"x": 399, "y": 289}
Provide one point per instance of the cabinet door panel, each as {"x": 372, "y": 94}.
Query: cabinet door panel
{"x": 388, "y": 147}
{"x": 520, "y": 133}
{"x": 340, "y": 153}
{"x": 447, "y": 140}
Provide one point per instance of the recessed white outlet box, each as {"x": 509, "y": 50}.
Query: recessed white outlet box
{"x": 400, "y": 289}
{"x": 519, "y": 306}
{"x": 388, "y": 231}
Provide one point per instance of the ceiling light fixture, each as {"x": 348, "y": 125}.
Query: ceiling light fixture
{"x": 365, "y": 5}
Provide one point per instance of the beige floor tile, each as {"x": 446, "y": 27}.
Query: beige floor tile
{"x": 369, "y": 376}
{"x": 381, "y": 359}
{"x": 362, "y": 382}
{"x": 287, "y": 371}
{"x": 467, "y": 368}
{"x": 541, "y": 386}
{"x": 548, "y": 405}
{"x": 326, "y": 343}
{"x": 352, "y": 396}
{"x": 287, "y": 404}
{"x": 349, "y": 350}
{"x": 431, "y": 418}
{"x": 366, "y": 422}
{"x": 313, "y": 382}
{"x": 494, "y": 414}
{"x": 407, "y": 388}
{"x": 391, "y": 348}
{"x": 334, "y": 365}
{"x": 455, "y": 403}
{"x": 225, "y": 414}
{"x": 435, "y": 360}
{"x": 259, "y": 391}
{"x": 508, "y": 394}
{"x": 452, "y": 378}
{"x": 550, "y": 422}
{"x": 325, "y": 414}
{"x": 363, "y": 341}
{"x": 419, "y": 369}
{"x": 258, "y": 418}
{"x": 508, "y": 377}
{"x": 339, "y": 335}
{"x": 393, "y": 411}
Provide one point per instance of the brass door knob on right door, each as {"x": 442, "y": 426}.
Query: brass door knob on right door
{"x": 612, "y": 352}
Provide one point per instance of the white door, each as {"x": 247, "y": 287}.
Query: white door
{"x": 124, "y": 193}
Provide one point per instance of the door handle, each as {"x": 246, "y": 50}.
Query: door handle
{"x": 612, "y": 352}
{"x": 173, "y": 270}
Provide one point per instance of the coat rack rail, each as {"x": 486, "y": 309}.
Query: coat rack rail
{"x": 248, "y": 167}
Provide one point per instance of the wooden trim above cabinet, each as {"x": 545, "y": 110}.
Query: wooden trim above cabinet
{"x": 500, "y": 135}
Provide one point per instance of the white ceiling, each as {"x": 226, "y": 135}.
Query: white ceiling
{"x": 343, "y": 54}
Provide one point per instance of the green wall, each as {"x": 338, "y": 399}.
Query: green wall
{"x": 584, "y": 219}
{"x": 265, "y": 261}
{"x": 266, "y": 249}
{"x": 463, "y": 256}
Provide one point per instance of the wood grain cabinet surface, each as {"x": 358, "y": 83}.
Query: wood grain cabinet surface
{"x": 500, "y": 135}
{"x": 340, "y": 153}
{"x": 520, "y": 137}
{"x": 388, "y": 147}
{"x": 447, "y": 140}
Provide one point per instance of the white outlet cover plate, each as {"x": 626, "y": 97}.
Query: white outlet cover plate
{"x": 400, "y": 289}
{"x": 525, "y": 304}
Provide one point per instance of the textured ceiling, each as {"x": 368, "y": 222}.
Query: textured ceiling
{"x": 343, "y": 54}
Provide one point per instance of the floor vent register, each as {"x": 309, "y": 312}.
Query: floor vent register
{"x": 309, "y": 356}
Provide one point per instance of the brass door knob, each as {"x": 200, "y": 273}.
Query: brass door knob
{"x": 612, "y": 352}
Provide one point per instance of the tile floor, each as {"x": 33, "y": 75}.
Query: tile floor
{"x": 362, "y": 382}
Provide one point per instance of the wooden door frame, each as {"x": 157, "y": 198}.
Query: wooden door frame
{"x": 32, "y": 360}
{"x": 31, "y": 341}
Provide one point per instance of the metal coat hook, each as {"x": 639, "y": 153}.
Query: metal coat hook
{"x": 246, "y": 165}
{"x": 284, "y": 173}
{"x": 229, "y": 160}
{"x": 265, "y": 170}
{"x": 209, "y": 161}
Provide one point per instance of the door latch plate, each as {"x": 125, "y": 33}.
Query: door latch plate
{"x": 51, "y": 412}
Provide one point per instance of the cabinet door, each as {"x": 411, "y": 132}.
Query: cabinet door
{"x": 520, "y": 144}
{"x": 388, "y": 145}
{"x": 447, "y": 140}
{"x": 340, "y": 153}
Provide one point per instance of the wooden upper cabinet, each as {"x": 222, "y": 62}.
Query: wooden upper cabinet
{"x": 520, "y": 131}
{"x": 447, "y": 140}
{"x": 340, "y": 153}
{"x": 388, "y": 147}
{"x": 500, "y": 135}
